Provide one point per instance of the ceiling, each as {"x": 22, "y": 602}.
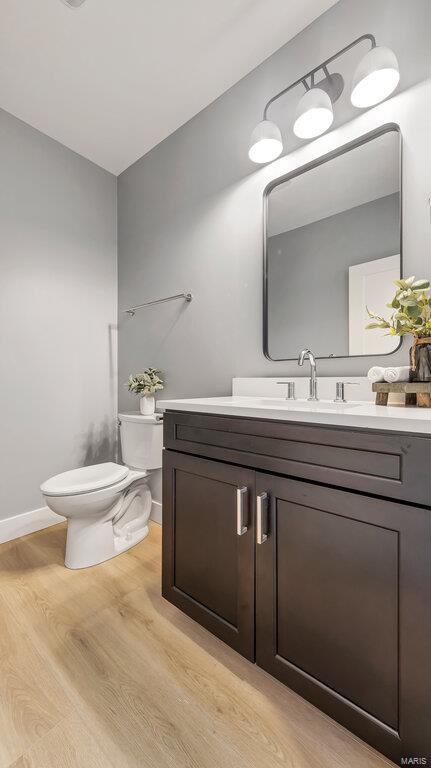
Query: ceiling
{"x": 354, "y": 178}
{"x": 113, "y": 78}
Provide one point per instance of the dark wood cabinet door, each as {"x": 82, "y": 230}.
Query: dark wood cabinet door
{"x": 343, "y": 608}
{"x": 208, "y": 545}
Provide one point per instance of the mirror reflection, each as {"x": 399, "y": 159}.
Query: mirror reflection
{"x": 333, "y": 238}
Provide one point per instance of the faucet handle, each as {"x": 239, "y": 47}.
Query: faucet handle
{"x": 290, "y": 389}
{"x": 339, "y": 390}
{"x": 303, "y": 354}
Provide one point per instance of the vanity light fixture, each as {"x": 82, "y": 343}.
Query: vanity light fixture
{"x": 376, "y": 77}
{"x": 314, "y": 114}
{"x": 266, "y": 143}
{"x": 74, "y": 3}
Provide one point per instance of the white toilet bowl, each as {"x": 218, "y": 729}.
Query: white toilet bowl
{"x": 108, "y": 505}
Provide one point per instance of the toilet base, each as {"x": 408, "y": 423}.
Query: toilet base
{"x": 91, "y": 540}
{"x": 100, "y": 544}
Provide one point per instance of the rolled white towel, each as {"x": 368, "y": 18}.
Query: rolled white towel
{"x": 376, "y": 373}
{"x": 400, "y": 373}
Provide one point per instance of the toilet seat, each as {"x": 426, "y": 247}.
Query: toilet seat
{"x": 85, "y": 479}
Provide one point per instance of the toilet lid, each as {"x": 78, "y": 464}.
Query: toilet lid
{"x": 84, "y": 479}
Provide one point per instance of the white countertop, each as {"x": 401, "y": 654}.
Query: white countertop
{"x": 352, "y": 414}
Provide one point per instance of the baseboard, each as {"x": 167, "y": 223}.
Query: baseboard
{"x": 156, "y": 512}
{"x": 29, "y": 522}
{"x": 38, "y": 519}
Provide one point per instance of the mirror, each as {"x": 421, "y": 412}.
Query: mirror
{"x": 332, "y": 248}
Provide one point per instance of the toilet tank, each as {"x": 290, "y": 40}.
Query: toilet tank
{"x": 141, "y": 440}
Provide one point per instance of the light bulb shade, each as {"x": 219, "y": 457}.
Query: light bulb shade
{"x": 266, "y": 143}
{"x": 314, "y": 114}
{"x": 376, "y": 76}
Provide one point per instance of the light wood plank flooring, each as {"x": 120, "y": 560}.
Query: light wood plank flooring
{"x": 98, "y": 671}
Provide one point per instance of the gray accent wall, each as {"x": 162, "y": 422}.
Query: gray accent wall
{"x": 190, "y": 211}
{"x": 58, "y": 308}
{"x": 308, "y": 276}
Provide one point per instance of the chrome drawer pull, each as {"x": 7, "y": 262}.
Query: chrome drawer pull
{"x": 261, "y": 537}
{"x": 241, "y": 494}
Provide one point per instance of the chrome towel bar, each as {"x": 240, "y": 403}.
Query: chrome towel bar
{"x": 186, "y": 296}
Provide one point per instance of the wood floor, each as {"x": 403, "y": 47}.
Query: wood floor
{"x": 97, "y": 671}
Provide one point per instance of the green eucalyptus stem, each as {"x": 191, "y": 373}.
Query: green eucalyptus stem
{"x": 411, "y": 307}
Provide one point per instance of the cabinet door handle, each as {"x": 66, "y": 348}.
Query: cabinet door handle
{"x": 261, "y": 534}
{"x": 241, "y": 494}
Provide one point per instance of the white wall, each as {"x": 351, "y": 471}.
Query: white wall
{"x": 216, "y": 251}
{"x": 191, "y": 210}
{"x": 316, "y": 259}
{"x": 57, "y": 313}
{"x": 190, "y": 217}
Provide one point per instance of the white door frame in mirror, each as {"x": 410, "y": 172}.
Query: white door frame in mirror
{"x": 371, "y": 285}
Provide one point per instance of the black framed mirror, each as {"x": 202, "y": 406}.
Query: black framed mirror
{"x": 332, "y": 247}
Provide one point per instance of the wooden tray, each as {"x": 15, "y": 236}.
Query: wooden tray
{"x": 416, "y": 392}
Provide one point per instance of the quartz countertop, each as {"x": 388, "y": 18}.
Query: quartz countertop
{"x": 358, "y": 414}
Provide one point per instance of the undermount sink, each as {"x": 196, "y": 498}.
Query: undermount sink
{"x": 295, "y": 405}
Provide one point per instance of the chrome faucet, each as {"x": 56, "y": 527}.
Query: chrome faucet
{"x": 307, "y": 353}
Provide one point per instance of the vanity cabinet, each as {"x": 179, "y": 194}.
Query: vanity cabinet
{"x": 325, "y": 587}
{"x": 208, "y": 546}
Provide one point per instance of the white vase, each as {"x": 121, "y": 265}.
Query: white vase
{"x": 147, "y": 405}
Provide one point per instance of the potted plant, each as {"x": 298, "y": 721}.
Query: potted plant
{"x": 145, "y": 385}
{"x": 411, "y": 314}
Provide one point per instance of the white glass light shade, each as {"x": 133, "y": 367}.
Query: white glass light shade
{"x": 314, "y": 114}
{"x": 376, "y": 76}
{"x": 266, "y": 143}
{"x": 74, "y": 3}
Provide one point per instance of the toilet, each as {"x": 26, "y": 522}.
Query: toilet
{"x": 108, "y": 505}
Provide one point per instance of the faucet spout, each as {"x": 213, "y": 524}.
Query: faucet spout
{"x": 304, "y": 355}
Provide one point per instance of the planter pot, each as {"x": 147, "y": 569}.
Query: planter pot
{"x": 147, "y": 405}
{"x": 421, "y": 355}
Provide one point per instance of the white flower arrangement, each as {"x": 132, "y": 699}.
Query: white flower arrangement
{"x": 146, "y": 383}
